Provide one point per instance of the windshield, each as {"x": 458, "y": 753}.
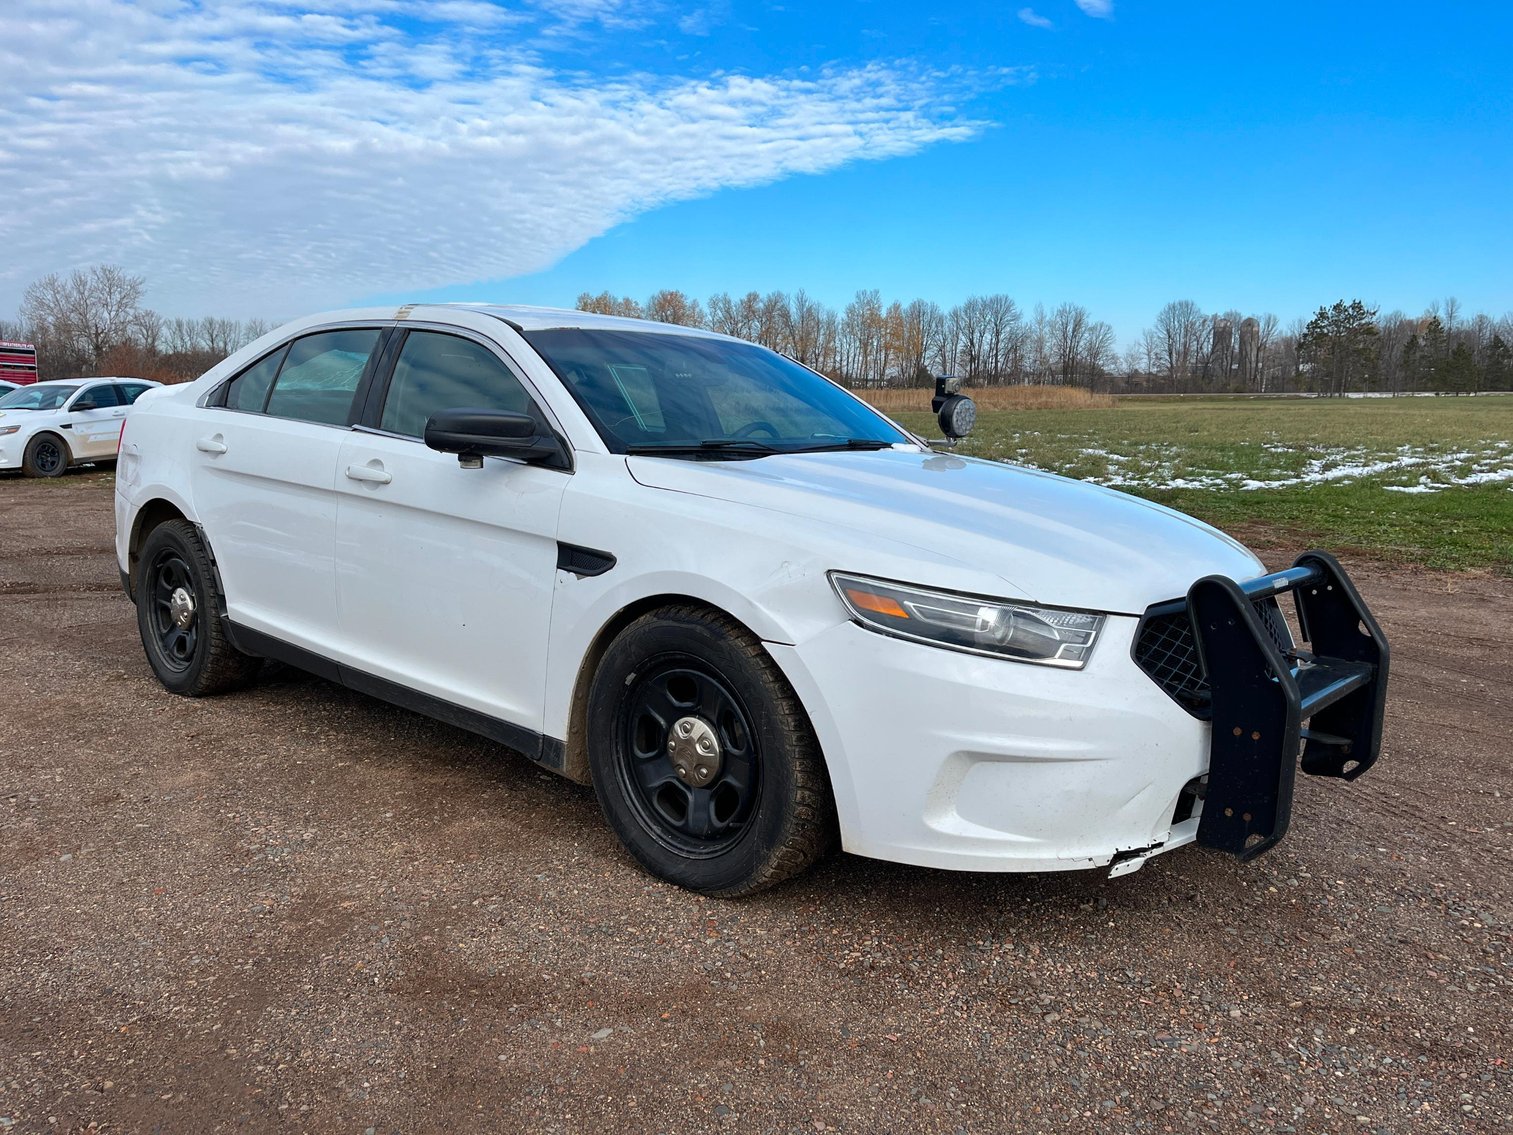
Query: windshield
{"x": 36, "y": 397}
{"x": 646, "y": 391}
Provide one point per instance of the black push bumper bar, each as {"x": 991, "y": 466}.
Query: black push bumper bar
{"x": 1268, "y": 703}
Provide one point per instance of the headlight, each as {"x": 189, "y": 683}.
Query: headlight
{"x": 1046, "y": 636}
{"x": 4, "y": 430}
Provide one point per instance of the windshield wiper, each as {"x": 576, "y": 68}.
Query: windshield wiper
{"x": 844, "y": 443}
{"x": 735, "y": 447}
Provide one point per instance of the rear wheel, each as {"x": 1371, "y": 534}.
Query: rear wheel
{"x": 178, "y": 616}
{"x": 46, "y": 456}
{"x": 702, "y": 757}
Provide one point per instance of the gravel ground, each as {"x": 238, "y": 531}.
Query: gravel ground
{"x": 300, "y": 909}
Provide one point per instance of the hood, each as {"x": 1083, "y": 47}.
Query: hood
{"x": 1048, "y": 539}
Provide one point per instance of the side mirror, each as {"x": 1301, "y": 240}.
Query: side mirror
{"x": 475, "y": 434}
{"x": 84, "y": 404}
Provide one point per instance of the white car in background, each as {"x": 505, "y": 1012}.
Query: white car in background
{"x": 6, "y": 387}
{"x": 47, "y": 426}
{"x": 749, "y": 609}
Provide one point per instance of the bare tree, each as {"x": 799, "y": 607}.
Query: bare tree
{"x": 84, "y": 315}
{"x": 672, "y": 306}
{"x": 1178, "y": 336}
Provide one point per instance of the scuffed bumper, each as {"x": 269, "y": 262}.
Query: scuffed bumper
{"x": 948, "y": 760}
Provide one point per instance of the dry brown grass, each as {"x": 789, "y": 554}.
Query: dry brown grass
{"x": 995, "y": 398}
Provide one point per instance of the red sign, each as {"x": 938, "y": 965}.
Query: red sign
{"x": 18, "y": 362}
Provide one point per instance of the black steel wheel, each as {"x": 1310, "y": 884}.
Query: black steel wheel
{"x": 173, "y": 608}
{"x": 178, "y": 615}
{"x": 46, "y": 456}
{"x": 702, "y": 757}
{"x": 688, "y": 756}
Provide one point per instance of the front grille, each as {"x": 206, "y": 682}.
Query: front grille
{"x": 1168, "y": 652}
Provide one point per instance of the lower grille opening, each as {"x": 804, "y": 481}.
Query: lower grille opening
{"x": 1166, "y": 650}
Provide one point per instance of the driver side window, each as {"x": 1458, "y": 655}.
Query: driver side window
{"x": 103, "y": 396}
{"x": 437, "y": 372}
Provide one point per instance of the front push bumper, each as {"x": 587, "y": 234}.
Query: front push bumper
{"x": 1267, "y": 702}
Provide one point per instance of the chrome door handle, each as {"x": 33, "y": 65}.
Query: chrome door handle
{"x": 119, "y": 414}
{"x": 371, "y": 474}
{"x": 212, "y": 445}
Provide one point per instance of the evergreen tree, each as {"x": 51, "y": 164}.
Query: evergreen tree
{"x": 1459, "y": 375}
{"x": 1339, "y": 344}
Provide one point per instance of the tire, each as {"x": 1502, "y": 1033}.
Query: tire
{"x": 178, "y": 618}
{"x": 46, "y": 456}
{"x": 750, "y": 809}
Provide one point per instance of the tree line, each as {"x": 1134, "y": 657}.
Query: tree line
{"x": 990, "y": 341}
{"x": 92, "y": 321}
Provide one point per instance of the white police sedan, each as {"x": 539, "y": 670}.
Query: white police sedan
{"x": 753, "y": 612}
{"x": 47, "y": 426}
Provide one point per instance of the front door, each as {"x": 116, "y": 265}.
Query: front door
{"x": 444, "y": 574}
{"x": 96, "y": 430}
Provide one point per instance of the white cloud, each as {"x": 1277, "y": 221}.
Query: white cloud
{"x": 1034, "y": 19}
{"x": 1098, "y": 9}
{"x": 258, "y": 157}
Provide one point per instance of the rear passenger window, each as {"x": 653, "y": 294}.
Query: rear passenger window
{"x": 249, "y": 390}
{"x": 442, "y": 372}
{"x": 321, "y": 375}
{"x": 131, "y": 391}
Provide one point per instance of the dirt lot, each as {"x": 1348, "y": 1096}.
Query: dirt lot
{"x": 300, "y": 909}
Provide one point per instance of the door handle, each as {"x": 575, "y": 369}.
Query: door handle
{"x": 118, "y": 414}
{"x": 373, "y": 474}
{"x": 212, "y": 445}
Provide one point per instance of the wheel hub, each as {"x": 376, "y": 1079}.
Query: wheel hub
{"x": 695, "y": 751}
{"x": 181, "y": 608}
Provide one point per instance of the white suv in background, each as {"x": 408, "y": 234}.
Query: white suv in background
{"x": 748, "y": 608}
{"x": 47, "y": 426}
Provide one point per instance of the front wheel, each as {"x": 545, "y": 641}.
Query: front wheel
{"x": 703, "y": 760}
{"x": 178, "y": 616}
{"x": 46, "y": 456}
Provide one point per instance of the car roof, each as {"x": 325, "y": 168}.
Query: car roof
{"x": 528, "y": 318}
{"x": 82, "y": 381}
{"x": 520, "y": 316}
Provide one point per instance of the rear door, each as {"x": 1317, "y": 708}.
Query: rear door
{"x": 444, "y": 574}
{"x": 264, "y": 460}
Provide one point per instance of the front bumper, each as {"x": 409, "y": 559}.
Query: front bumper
{"x": 943, "y": 759}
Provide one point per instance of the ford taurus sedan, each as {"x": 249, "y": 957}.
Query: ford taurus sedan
{"x": 754, "y": 613}
{"x": 48, "y": 426}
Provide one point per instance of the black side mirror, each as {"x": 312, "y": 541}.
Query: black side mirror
{"x": 476, "y": 434}
{"x": 85, "y": 404}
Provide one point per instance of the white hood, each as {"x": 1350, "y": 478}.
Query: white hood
{"x": 1048, "y": 538}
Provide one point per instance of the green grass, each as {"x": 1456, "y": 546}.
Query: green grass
{"x": 1325, "y": 472}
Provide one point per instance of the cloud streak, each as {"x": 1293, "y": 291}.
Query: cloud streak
{"x": 1034, "y": 19}
{"x": 1098, "y": 9}
{"x": 263, "y": 158}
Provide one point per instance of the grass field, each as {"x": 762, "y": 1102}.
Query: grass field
{"x": 1412, "y": 480}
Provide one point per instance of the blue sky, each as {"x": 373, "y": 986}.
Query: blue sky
{"x": 289, "y": 157}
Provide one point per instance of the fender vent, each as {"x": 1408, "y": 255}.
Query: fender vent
{"x": 583, "y": 561}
